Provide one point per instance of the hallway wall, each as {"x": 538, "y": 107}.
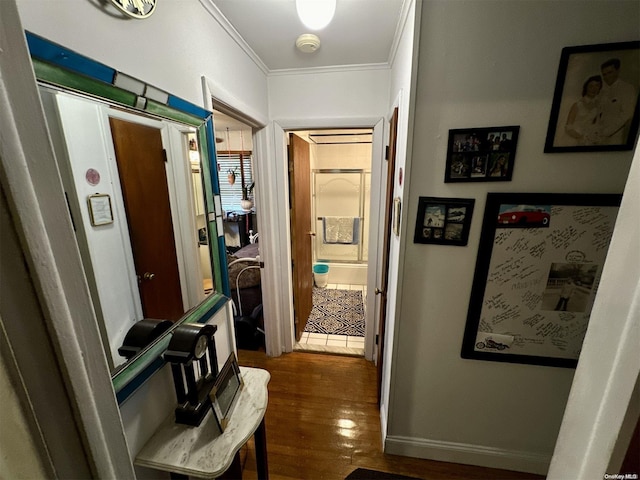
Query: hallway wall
{"x": 171, "y": 50}
{"x": 487, "y": 63}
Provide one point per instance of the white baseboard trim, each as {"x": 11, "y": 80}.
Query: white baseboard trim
{"x": 383, "y": 422}
{"x": 468, "y": 454}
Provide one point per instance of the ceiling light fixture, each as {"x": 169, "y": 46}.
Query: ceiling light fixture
{"x": 316, "y": 14}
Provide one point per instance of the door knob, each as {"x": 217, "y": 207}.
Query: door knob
{"x": 313, "y": 234}
{"x": 149, "y": 276}
{"x": 378, "y": 291}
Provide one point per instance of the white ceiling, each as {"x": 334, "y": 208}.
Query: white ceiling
{"x": 361, "y": 32}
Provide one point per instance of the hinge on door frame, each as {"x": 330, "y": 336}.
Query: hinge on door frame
{"x": 377, "y": 337}
{"x": 164, "y": 154}
{"x": 73, "y": 223}
{"x": 386, "y": 152}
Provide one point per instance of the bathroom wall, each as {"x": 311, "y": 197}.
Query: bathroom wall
{"x": 348, "y": 263}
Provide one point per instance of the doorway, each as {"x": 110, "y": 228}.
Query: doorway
{"x": 330, "y": 190}
{"x": 235, "y": 159}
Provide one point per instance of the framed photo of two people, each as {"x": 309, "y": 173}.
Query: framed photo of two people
{"x": 595, "y": 103}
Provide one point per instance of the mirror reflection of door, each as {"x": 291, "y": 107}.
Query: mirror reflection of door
{"x": 86, "y": 155}
{"x": 140, "y": 158}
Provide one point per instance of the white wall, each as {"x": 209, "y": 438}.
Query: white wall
{"x": 486, "y": 63}
{"x": 300, "y": 99}
{"x": 81, "y": 130}
{"x": 403, "y": 75}
{"x": 172, "y": 49}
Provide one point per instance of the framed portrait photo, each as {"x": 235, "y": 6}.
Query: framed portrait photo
{"x": 443, "y": 221}
{"x": 540, "y": 260}
{"x": 484, "y": 154}
{"x": 595, "y": 103}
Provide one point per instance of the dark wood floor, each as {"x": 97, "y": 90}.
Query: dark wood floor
{"x": 322, "y": 422}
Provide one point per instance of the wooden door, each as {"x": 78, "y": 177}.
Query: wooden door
{"x": 384, "y": 277}
{"x": 300, "y": 184}
{"x": 141, "y": 165}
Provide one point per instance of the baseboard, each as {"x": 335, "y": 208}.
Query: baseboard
{"x": 383, "y": 422}
{"x": 468, "y": 454}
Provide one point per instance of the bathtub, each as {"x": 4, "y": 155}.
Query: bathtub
{"x": 346, "y": 273}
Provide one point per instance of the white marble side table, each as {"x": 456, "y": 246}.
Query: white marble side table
{"x": 198, "y": 452}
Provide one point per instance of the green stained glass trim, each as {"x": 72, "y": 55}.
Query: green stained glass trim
{"x": 55, "y": 75}
{"x": 161, "y": 110}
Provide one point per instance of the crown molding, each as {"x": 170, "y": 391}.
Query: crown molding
{"x": 215, "y": 12}
{"x": 402, "y": 24}
{"x": 329, "y": 69}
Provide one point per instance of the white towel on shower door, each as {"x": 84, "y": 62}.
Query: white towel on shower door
{"x": 342, "y": 230}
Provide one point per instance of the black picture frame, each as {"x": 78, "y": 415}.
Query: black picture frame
{"x": 483, "y": 154}
{"x": 516, "y": 312}
{"x": 586, "y": 112}
{"x": 443, "y": 221}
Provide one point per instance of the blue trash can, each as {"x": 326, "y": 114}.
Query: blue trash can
{"x": 321, "y": 274}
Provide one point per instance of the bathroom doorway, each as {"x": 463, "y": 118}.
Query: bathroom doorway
{"x": 335, "y": 228}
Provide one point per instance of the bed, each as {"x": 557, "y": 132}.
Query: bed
{"x": 246, "y": 293}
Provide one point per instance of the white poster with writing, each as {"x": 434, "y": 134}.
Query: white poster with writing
{"x": 539, "y": 264}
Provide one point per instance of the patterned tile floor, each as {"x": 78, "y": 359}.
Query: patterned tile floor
{"x": 342, "y": 344}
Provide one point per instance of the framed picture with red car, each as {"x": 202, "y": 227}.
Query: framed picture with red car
{"x": 539, "y": 264}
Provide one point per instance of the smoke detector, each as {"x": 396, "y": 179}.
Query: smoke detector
{"x": 308, "y": 43}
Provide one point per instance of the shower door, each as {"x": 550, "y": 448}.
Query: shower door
{"x": 341, "y": 194}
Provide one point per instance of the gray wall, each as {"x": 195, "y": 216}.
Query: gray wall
{"x": 487, "y": 63}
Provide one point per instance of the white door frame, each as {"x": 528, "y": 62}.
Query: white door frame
{"x": 272, "y": 210}
{"x": 275, "y": 212}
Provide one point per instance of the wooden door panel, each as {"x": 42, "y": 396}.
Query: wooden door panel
{"x": 384, "y": 280}
{"x": 140, "y": 158}
{"x": 300, "y": 177}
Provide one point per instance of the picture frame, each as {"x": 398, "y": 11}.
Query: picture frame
{"x": 397, "y": 209}
{"x": 100, "y": 211}
{"x": 226, "y": 390}
{"x": 587, "y": 114}
{"x": 483, "y": 154}
{"x": 540, "y": 258}
{"x": 443, "y": 221}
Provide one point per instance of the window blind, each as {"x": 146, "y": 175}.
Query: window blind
{"x": 230, "y": 195}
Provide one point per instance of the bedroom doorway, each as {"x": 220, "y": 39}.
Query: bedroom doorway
{"x": 234, "y": 154}
{"x": 329, "y": 180}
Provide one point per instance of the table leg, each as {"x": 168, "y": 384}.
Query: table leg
{"x": 260, "y": 438}
{"x": 234, "y": 472}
